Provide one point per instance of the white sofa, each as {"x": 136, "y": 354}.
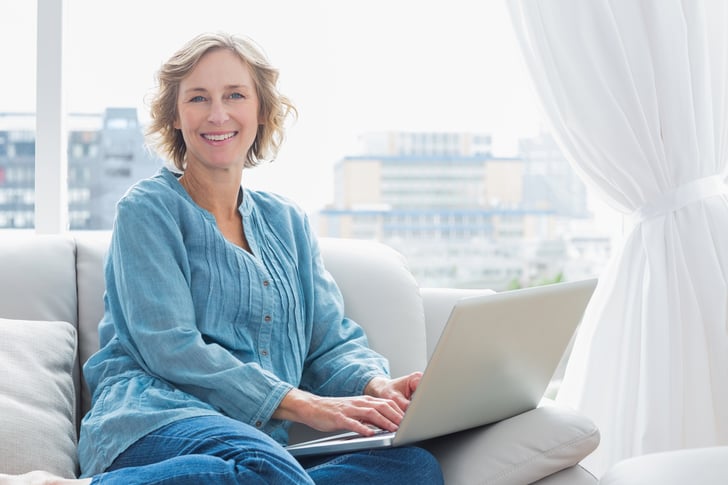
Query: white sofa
{"x": 701, "y": 466}
{"x": 51, "y": 291}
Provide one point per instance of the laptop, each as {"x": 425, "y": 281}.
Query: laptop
{"x": 494, "y": 360}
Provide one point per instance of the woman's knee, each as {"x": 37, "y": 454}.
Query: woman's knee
{"x": 272, "y": 468}
{"x": 423, "y": 465}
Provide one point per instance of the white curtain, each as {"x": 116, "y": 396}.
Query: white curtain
{"x": 636, "y": 92}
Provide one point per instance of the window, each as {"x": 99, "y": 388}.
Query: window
{"x": 17, "y": 102}
{"x": 440, "y": 105}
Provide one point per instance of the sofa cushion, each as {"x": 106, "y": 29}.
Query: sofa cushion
{"x": 521, "y": 449}
{"x": 91, "y": 249}
{"x": 382, "y": 296}
{"x": 575, "y": 475}
{"x": 37, "y": 397}
{"x": 37, "y": 277}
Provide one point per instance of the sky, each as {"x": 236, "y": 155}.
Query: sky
{"x": 351, "y": 67}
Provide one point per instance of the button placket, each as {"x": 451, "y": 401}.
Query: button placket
{"x": 266, "y": 332}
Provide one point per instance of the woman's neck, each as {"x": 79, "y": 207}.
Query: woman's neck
{"x": 217, "y": 194}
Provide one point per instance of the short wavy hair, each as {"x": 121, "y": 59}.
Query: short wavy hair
{"x": 274, "y": 107}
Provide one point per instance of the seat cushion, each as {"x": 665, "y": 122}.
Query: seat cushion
{"x": 518, "y": 450}
{"x": 37, "y": 397}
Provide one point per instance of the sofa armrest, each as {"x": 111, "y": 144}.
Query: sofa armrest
{"x": 438, "y": 303}
{"x": 706, "y": 466}
{"x": 519, "y": 450}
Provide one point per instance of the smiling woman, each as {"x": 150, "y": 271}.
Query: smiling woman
{"x": 231, "y": 94}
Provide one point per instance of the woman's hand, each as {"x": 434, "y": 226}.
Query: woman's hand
{"x": 359, "y": 413}
{"x": 399, "y": 390}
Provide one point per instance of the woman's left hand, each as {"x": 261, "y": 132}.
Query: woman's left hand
{"x": 399, "y": 390}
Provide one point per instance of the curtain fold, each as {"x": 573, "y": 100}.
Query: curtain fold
{"x": 636, "y": 93}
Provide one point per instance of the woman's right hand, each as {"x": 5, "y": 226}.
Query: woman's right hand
{"x": 360, "y": 414}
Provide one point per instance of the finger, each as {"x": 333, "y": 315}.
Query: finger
{"x": 412, "y": 382}
{"x": 400, "y": 395}
{"x": 391, "y": 409}
{"x": 360, "y": 427}
{"x": 383, "y": 414}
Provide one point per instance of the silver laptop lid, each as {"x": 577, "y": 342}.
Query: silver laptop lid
{"x": 495, "y": 358}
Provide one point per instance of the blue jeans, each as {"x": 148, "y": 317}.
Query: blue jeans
{"x": 220, "y": 450}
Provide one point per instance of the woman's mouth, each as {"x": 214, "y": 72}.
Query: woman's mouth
{"x": 219, "y": 136}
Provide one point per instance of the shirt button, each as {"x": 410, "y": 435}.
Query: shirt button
{"x": 264, "y": 353}
{"x": 258, "y": 424}
{"x": 267, "y": 318}
{"x": 266, "y": 282}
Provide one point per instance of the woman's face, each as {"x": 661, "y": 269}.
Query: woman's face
{"x": 217, "y": 110}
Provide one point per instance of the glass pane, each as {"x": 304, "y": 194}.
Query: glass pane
{"x": 417, "y": 127}
{"x": 107, "y": 81}
{"x": 17, "y": 119}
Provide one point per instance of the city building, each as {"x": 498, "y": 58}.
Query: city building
{"x": 106, "y": 155}
{"x": 462, "y": 217}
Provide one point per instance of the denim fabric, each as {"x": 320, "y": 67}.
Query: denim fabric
{"x": 194, "y": 325}
{"x": 219, "y": 450}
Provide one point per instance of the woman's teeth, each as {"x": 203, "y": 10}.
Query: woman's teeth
{"x": 219, "y": 137}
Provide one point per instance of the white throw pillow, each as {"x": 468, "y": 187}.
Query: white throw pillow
{"x": 521, "y": 449}
{"x": 37, "y": 397}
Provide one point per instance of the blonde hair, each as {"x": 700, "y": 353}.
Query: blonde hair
{"x": 274, "y": 107}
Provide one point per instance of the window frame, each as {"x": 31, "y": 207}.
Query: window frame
{"x": 51, "y": 158}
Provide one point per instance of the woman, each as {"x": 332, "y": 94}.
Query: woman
{"x": 221, "y": 324}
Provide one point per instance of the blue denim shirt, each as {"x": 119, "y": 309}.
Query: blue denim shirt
{"x": 195, "y": 325}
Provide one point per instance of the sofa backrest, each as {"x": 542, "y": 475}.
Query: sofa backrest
{"x": 37, "y": 277}
{"x": 61, "y": 278}
{"x": 38, "y": 285}
{"x": 91, "y": 250}
{"x": 379, "y": 293}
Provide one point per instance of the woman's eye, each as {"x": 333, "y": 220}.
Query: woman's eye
{"x": 197, "y": 99}
{"x": 237, "y": 96}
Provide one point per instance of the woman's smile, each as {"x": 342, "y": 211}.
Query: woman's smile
{"x": 217, "y": 138}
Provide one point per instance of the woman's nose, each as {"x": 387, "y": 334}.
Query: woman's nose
{"x": 218, "y": 113}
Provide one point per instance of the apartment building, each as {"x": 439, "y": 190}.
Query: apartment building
{"x": 106, "y": 155}
{"x": 461, "y": 216}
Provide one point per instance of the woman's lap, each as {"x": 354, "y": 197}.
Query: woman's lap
{"x": 399, "y": 465}
{"x": 222, "y": 450}
{"x": 233, "y": 451}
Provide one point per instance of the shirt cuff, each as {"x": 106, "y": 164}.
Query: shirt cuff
{"x": 270, "y": 405}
